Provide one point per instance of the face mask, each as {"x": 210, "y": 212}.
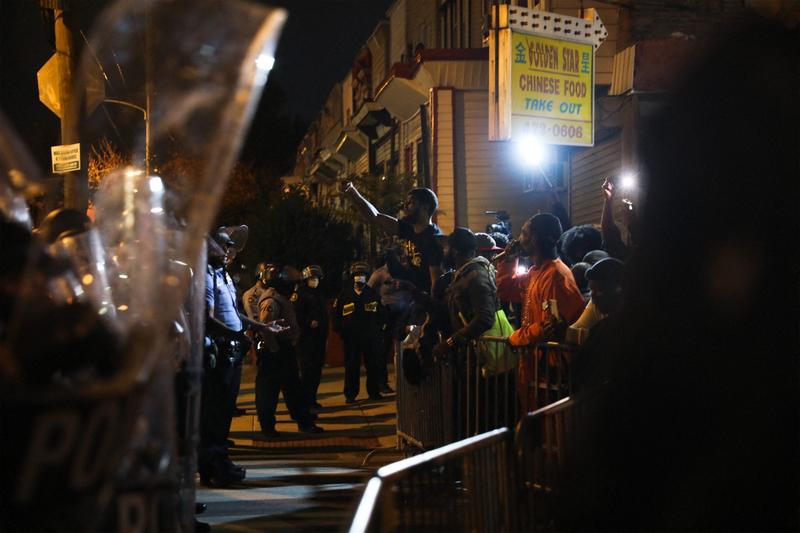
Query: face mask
{"x": 313, "y": 283}
{"x": 360, "y": 279}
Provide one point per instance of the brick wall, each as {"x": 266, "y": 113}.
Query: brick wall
{"x": 699, "y": 18}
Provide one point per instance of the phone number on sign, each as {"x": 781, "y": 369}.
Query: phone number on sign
{"x": 566, "y": 131}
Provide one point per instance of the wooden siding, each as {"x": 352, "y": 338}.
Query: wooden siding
{"x": 443, "y": 146}
{"x": 491, "y": 180}
{"x": 411, "y": 134}
{"x": 588, "y": 169}
{"x": 347, "y": 99}
{"x": 362, "y": 165}
{"x": 397, "y": 31}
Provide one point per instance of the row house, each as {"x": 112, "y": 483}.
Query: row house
{"x": 415, "y": 103}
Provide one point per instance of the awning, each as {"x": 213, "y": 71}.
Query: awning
{"x": 328, "y": 165}
{"x": 351, "y": 144}
{"x": 408, "y": 85}
{"x": 372, "y": 119}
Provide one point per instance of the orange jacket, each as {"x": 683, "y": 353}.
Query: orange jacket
{"x": 551, "y": 280}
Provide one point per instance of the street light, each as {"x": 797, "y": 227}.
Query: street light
{"x": 146, "y": 128}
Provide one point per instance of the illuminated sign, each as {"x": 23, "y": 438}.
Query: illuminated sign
{"x": 541, "y": 75}
{"x": 552, "y": 89}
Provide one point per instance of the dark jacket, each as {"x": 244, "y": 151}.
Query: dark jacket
{"x": 310, "y": 305}
{"x": 358, "y": 314}
{"x": 472, "y": 299}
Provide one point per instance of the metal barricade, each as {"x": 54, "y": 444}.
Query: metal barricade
{"x": 478, "y": 389}
{"x": 424, "y": 410}
{"x": 464, "y": 486}
{"x": 487, "y": 395}
{"x": 492, "y": 395}
{"x": 544, "y": 375}
{"x": 541, "y": 451}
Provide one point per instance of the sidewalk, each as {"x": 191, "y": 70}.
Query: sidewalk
{"x": 302, "y": 482}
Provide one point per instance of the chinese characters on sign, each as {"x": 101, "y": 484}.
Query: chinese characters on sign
{"x": 552, "y": 92}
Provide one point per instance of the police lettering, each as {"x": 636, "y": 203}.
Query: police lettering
{"x": 61, "y": 439}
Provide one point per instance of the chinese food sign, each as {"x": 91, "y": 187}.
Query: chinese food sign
{"x": 552, "y": 89}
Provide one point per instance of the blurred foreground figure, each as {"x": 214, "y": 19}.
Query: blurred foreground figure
{"x": 694, "y": 423}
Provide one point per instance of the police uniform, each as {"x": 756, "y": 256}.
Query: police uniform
{"x": 220, "y": 378}
{"x": 358, "y": 319}
{"x": 310, "y": 306}
{"x": 277, "y": 365}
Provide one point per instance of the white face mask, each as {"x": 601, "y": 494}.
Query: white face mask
{"x": 313, "y": 282}
{"x": 360, "y": 279}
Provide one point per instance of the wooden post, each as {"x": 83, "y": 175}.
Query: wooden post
{"x": 76, "y": 187}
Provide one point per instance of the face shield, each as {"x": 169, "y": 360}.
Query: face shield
{"x": 83, "y": 346}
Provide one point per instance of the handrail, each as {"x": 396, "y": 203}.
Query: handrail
{"x": 386, "y": 476}
{"x": 392, "y": 471}
{"x": 366, "y": 506}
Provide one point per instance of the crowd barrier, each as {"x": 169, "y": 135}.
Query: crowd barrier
{"x": 464, "y": 486}
{"x": 482, "y": 483}
{"x": 477, "y": 390}
{"x": 542, "y": 447}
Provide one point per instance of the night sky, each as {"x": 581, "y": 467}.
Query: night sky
{"x": 317, "y": 48}
{"x": 318, "y": 45}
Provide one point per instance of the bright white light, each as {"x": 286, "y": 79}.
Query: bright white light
{"x": 265, "y": 62}
{"x": 156, "y": 185}
{"x": 530, "y": 150}
{"x": 627, "y": 181}
{"x": 123, "y": 276}
{"x": 133, "y": 172}
{"x": 157, "y": 210}
{"x": 521, "y": 269}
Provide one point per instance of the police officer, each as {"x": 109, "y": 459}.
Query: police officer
{"x": 277, "y": 359}
{"x": 357, "y": 317}
{"x": 226, "y": 343}
{"x": 251, "y": 296}
{"x": 312, "y": 316}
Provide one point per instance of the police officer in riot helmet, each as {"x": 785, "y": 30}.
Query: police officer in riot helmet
{"x": 277, "y": 358}
{"x": 312, "y": 316}
{"x": 358, "y": 319}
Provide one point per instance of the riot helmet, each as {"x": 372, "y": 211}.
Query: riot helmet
{"x": 359, "y": 272}
{"x": 281, "y": 277}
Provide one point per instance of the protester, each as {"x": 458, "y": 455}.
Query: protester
{"x": 612, "y": 236}
{"x": 471, "y": 297}
{"x": 487, "y": 246}
{"x": 311, "y": 310}
{"x": 577, "y": 241}
{"x": 605, "y": 285}
{"x": 579, "y": 273}
{"x": 396, "y": 301}
{"x": 551, "y": 301}
{"x": 277, "y": 359}
{"x": 357, "y": 318}
{"x": 594, "y": 256}
{"x": 417, "y": 231}
{"x": 691, "y": 424}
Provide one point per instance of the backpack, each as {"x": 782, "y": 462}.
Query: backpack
{"x": 495, "y": 357}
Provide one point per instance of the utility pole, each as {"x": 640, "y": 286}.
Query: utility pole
{"x": 76, "y": 186}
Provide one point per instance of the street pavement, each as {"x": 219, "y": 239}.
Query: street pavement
{"x": 302, "y": 482}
